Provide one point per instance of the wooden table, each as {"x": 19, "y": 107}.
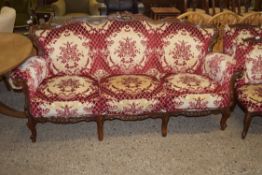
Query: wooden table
{"x": 160, "y": 12}
{"x": 14, "y": 49}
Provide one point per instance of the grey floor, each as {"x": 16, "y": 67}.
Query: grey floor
{"x": 194, "y": 146}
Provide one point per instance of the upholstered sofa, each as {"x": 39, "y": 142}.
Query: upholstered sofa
{"x": 124, "y": 68}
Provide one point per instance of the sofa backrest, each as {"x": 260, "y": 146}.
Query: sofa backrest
{"x": 124, "y": 47}
{"x": 183, "y": 46}
{"x": 129, "y": 47}
{"x": 69, "y": 49}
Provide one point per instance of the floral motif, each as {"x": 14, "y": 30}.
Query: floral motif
{"x": 253, "y": 65}
{"x": 181, "y": 53}
{"x": 126, "y": 54}
{"x": 127, "y": 50}
{"x": 186, "y": 82}
{"x": 69, "y": 55}
{"x": 250, "y": 96}
{"x": 130, "y": 85}
{"x": 198, "y": 103}
{"x": 66, "y": 111}
{"x": 68, "y": 88}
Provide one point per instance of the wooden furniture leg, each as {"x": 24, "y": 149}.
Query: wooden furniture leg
{"x": 165, "y": 120}
{"x": 31, "y": 124}
{"x": 247, "y": 121}
{"x": 100, "y": 127}
{"x": 225, "y": 116}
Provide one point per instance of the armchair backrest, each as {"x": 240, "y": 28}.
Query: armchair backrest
{"x": 77, "y": 6}
{"x": 234, "y": 41}
{"x": 253, "y": 64}
{"x": 7, "y": 19}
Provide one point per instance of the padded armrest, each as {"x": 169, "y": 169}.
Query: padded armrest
{"x": 219, "y": 67}
{"x": 33, "y": 72}
{"x": 59, "y": 7}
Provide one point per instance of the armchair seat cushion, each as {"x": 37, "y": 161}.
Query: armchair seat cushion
{"x": 250, "y": 96}
{"x": 192, "y": 92}
{"x": 131, "y": 94}
{"x": 65, "y": 96}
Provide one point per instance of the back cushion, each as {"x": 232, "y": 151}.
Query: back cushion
{"x": 182, "y": 47}
{"x": 234, "y": 42}
{"x": 253, "y": 65}
{"x": 129, "y": 47}
{"x": 69, "y": 49}
{"x": 235, "y": 35}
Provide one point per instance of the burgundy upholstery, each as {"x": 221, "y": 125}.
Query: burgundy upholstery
{"x": 121, "y": 67}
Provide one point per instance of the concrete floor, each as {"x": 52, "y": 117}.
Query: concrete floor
{"x": 194, "y": 146}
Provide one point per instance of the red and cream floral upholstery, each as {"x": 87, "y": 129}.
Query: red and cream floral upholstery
{"x": 133, "y": 87}
{"x": 250, "y": 85}
{"x": 58, "y": 86}
{"x": 234, "y": 42}
{"x": 196, "y": 80}
{"x": 131, "y": 94}
{"x": 250, "y": 96}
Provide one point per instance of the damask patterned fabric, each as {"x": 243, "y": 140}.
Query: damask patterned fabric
{"x": 196, "y": 102}
{"x": 253, "y": 65}
{"x": 131, "y": 94}
{"x": 182, "y": 47}
{"x": 72, "y": 49}
{"x": 219, "y": 67}
{"x": 33, "y": 71}
{"x": 234, "y": 43}
{"x": 250, "y": 96}
{"x": 129, "y": 48}
{"x": 65, "y": 96}
{"x": 134, "y": 67}
{"x": 192, "y": 92}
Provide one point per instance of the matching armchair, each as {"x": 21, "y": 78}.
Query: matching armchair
{"x": 249, "y": 86}
{"x": 76, "y": 7}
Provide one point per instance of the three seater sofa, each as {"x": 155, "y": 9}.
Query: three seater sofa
{"x": 125, "y": 68}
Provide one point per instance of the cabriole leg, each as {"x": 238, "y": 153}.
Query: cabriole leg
{"x": 225, "y": 116}
{"x": 31, "y": 124}
{"x": 247, "y": 121}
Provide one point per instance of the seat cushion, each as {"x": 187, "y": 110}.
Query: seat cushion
{"x": 189, "y": 83}
{"x": 65, "y": 96}
{"x": 68, "y": 87}
{"x": 131, "y": 94}
{"x": 250, "y": 96}
{"x": 192, "y": 92}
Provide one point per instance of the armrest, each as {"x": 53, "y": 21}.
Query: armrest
{"x": 59, "y": 7}
{"x": 33, "y": 72}
{"x": 219, "y": 67}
